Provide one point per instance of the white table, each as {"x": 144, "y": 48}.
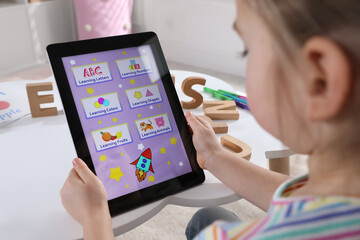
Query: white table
{"x": 36, "y": 156}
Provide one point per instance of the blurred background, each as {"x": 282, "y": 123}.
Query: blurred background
{"x": 196, "y": 35}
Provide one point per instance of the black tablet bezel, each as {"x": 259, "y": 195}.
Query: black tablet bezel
{"x": 144, "y": 196}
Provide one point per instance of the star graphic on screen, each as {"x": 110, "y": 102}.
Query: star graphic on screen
{"x": 151, "y": 178}
{"x": 151, "y": 107}
{"x": 72, "y": 62}
{"x": 173, "y": 140}
{"x": 169, "y": 162}
{"x": 140, "y": 146}
{"x": 102, "y": 158}
{"x": 132, "y": 81}
{"x": 120, "y": 85}
{"x": 90, "y": 90}
{"x": 162, "y": 150}
{"x": 114, "y": 119}
{"x": 181, "y": 164}
{"x": 116, "y": 173}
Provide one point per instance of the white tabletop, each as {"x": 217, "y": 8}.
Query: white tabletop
{"x": 36, "y": 155}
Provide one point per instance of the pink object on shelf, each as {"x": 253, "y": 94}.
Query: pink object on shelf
{"x": 103, "y": 18}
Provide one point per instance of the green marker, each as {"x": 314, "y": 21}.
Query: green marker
{"x": 220, "y": 96}
{"x": 230, "y": 93}
{"x": 217, "y": 94}
{"x": 209, "y": 90}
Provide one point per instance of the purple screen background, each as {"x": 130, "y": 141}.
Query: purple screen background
{"x": 166, "y": 166}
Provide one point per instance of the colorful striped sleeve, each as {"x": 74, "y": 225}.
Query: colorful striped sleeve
{"x": 308, "y": 217}
{"x": 222, "y": 230}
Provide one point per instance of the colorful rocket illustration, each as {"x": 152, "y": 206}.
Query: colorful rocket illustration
{"x": 143, "y": 165}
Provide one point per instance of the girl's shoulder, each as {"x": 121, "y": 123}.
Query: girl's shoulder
{"x": 309, "y": 216}
{"x": 283, "y": 200}
{"x": 305, "y": 217}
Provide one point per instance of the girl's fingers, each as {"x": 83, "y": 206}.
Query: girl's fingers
{"x": 194, "y": 123}
{"x": 82, "y": 170}
{"x": 74, "y": 176}
{"x": 203, "y": 121}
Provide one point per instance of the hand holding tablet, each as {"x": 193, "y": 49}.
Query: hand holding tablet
{"x": 125, "y": 117}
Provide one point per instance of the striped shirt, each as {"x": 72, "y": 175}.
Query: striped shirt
{"x": 305, "y": 217}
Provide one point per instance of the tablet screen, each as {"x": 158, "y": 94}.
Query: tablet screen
{"x": 126, "y": 118}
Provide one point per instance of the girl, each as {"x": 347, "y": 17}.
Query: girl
{"x": 303, "y": 87}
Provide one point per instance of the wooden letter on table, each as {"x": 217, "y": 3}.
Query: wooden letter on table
{"x": 279, "y": 161}
{"x": 218, "y": 127}
{"x": 221, "y": 110}
{"x": 186, "y": 87}
{"x": 280, "y": 165}
{"x": 35, "y": 100}
{"x": 237, "y": 146}
{"x": 173, "y": 78}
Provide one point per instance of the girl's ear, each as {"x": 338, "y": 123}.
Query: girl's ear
{"x": 329, "y": 81}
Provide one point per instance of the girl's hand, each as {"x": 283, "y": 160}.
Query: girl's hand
{"x": 83, "y": 194}
{"x": 204, "y": 139}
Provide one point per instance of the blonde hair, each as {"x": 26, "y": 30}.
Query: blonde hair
{"x": 292, "y": 22}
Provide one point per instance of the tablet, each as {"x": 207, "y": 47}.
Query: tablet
{"x": 125, "y": 117}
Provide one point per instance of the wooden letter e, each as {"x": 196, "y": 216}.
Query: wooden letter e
{"x": 35, "y": 100}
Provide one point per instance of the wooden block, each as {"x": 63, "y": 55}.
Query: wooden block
{"x": 173, "y": 78}
{"x": 279, "y": 161}
{"x": 221, "y": 110}
{"x": 186, "y": 87}
{"x": 218, "y": 127}
{"x": 279, "y": 153}
{"x": 35, "y": 100}
{"x": 280, "y": 165}
{"x": 237, "y": 146}
{"x": 225, "y": 105}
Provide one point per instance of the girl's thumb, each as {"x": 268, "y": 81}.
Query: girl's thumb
{"x": 82, "y": 169}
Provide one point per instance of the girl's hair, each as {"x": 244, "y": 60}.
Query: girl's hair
{"x": 293, "y": 22}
